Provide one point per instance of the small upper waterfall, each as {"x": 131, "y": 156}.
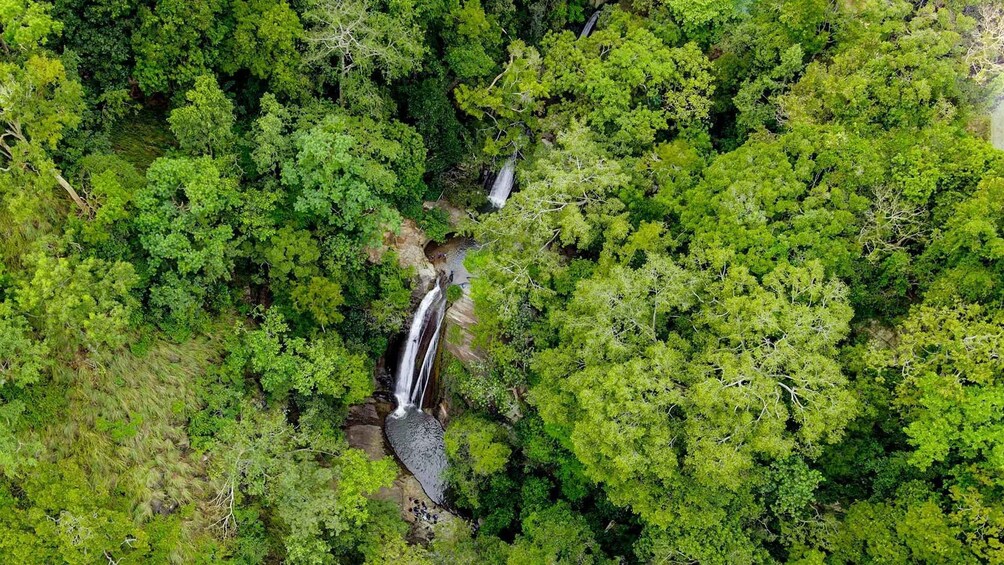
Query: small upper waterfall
{"x": 503, "y": 183}
{"x": 419, "y": 351}
{"x": 590, "y": 23}
{"x": 506, "y": 177}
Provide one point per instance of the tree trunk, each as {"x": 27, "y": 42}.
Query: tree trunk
{"x": 73, "y": 193}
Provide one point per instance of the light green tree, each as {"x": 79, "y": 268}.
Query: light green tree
{"x": 184, "y": 220}
{"x": 204, "y": 126}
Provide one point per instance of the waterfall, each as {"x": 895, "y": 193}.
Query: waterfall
{"x": 590, "y": 23}
{"x": 503, "y": 183}
{"x": 417, "y": 437}
{"x": 423, "y": 338}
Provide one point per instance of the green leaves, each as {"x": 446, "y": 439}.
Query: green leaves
{"x": 347, "y": 172}
{"x": 39, "y": 102}
{"x": 184, "y": 225}
{"x": 949, "y": 387}
{"x": 27, "y": 24}
{"x": 627, "y": 84}
{"x": 353, "y": 39}
{"x": 264, "y": 457}
{"x": 319, "y": 365}
{"x": 81, "y": 303}
{"x": 22, "y": 357}
{"x": 668, "y": 379}
{"x": 622, "y": 80}
{"x": 178, "y": 41}
{"x": 555, "y": 535}
{"x": 509, "y": 105}
{"x": 971, "y": 247}
{"x": 864, "y": 84}
{"x": 266, "y": 40}
{"x": 205, "y": 125}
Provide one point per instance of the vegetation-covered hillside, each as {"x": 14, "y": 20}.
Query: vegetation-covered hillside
{"x": 746, "y": 304}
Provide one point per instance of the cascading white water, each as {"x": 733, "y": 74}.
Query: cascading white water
{"x": 410, "y": 384}
{"x": 417, "y": 437}
{"x": 430, "y": 356}
{"x": 588, "y": 28}
{"x": 503, "y": 183}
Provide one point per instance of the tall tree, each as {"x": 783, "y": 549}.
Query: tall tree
{"x": 185, "y": 223}
{"x": 38, "y": 102}
{"x": 360, "y": 38}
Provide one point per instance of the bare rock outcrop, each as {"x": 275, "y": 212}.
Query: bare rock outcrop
{"x": 459, "y": 336}
{"x": 409, "y": 243}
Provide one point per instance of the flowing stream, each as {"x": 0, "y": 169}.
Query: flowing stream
{"x": 423, "y": 338}
{"x": 417, "y": 437}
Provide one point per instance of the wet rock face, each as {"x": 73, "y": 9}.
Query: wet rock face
{"x": 448, "y": 258}
{"x": 458, "y": 334}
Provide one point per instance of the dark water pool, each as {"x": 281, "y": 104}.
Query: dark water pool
{"x": 417, "y": 438}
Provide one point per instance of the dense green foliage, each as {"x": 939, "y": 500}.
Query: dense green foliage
{"x": 746, "y": 304}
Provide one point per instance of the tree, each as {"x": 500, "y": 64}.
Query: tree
{"x": 966, "y": 252}
{"x": 347, "y": 172}
{"x": 177, "y": 41}
{"x": 477, "y": 449}
{"x": 363, "y": 37}
{"x": 567, "y": 197}
{"x": 319, "y": 365}
{"x": 512, "y": 102}
{"x": 22, "y": 356}
{"x": 791, "y": 198}
{"x": 204, "y": 126}
{"x": 263, "y": 457}
{"x": 111, "y": 184}
{"x": 266, "y": 41}
{"x": 866, "y": 85}
{"x": 985, "y": 44}
{"x": 765, "y": 53}
{"x": 38, "y": 102}
{"x": 80, "y": 302}
{"x": 472, "y": 39}
{"x": 948, "y": 380}
{"x": 556, "y": 535}
{"x": 695, "y": 15}
{"x": 674, "y": 387}
{"x": 599, "y": 75}
{"x": 184, "y": 223}
{"x": 59, "y": 516}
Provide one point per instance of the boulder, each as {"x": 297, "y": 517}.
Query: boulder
{"x": 409, "y": 244}
{"x": 368, "y": 438}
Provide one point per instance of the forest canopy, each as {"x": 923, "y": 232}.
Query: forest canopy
{"x": 744, "y": 305}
